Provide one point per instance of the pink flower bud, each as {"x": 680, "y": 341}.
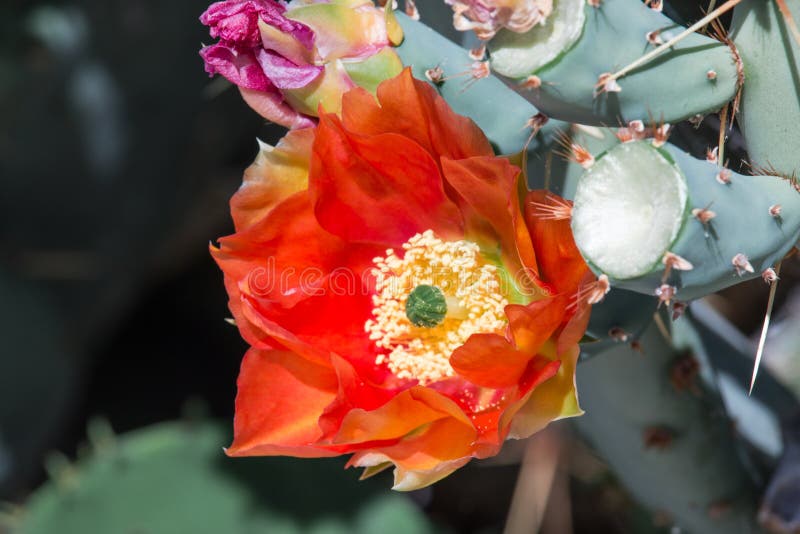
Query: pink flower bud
{"x": 288, "y": 60}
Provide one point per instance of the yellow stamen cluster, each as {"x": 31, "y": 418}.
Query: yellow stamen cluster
{"x": 475, "y": 304}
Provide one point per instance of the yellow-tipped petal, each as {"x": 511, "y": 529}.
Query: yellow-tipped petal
{"x": 393, "y": 28}
{"x": 555, "y": 399}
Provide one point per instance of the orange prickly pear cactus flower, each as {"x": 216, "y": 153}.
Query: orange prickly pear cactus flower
{"x": 405, "y": 302}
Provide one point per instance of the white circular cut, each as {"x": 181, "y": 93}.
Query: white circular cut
{"x": 629, "y": 207}
{"x": 518, "y": 55}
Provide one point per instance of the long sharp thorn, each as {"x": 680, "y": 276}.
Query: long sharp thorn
{"x": 762, "y": 341}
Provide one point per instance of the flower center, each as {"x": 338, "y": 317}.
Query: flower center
{"x": 426, "y": 306}
{"x": 429, "y": 302}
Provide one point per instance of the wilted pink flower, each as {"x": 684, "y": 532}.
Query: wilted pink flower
{"x": 487, "y": 17}
{"x": 286, "y": 59}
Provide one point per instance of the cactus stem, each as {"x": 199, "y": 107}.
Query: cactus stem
{"x": 605, "y": 79}
{"x": 763, "y": 339}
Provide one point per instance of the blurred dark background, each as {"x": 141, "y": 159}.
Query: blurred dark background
{"x": 117, "y": 158}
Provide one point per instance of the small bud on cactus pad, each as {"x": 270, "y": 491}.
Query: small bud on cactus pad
{"x": 487, "y": 17}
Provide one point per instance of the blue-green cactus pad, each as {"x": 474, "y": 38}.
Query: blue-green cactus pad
{"x": 673, "y": 87}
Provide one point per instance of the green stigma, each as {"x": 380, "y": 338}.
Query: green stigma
{"x": 426, "y": 306}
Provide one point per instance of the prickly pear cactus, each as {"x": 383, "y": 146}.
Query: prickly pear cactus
{"x": 559, "y": 66}
{"x": 668, "y": 422}
{"x": 501, "y": 114}
{"x": 770, "y": 103}
{"x": 680, "y": 221}
{"x": 660, "y": 227}
{"x": 584, "y": 95}
{"x": 173, "y": 478}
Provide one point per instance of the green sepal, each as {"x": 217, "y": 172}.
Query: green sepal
{"x": 370, "y": 72}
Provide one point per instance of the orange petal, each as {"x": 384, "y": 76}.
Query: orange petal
{"x": 490, "y": 361}
{"x": 409, "y": 479}
{"x": 488, "y": 184}
{"x": 576, "y": 327}
{"x": 290, "y": 280}
{"x": 379, "y": 189}
{"x": 402, "y": 415}
{"x": 554, "y": 399}
{"x": 432, "y": 454}
{"x": 277, "y": 173}
{"x": 561, "y": 265}
{"x": 532, "y": 325}
{"x": 413, "y": 109}
{"x": 281, "y": 396}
